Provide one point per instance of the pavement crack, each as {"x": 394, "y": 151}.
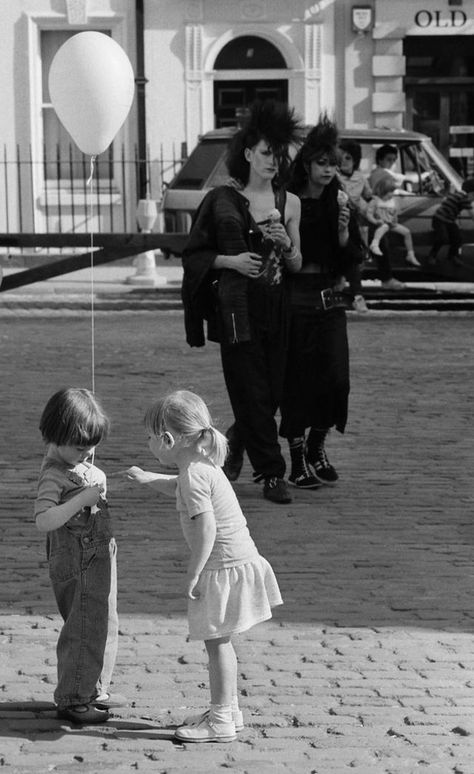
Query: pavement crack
{"x": 398, "y": 735}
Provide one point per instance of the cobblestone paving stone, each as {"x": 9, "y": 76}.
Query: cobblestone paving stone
{"x": 368, "y": 666}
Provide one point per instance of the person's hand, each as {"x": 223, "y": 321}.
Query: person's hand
{"x": 134, "y": 474}
{"x": 91, "y": 494}
{"x": 191, "y": 591}
{"x": 278, "y": 234}
{"x": 248, "y": 264}
{"x": 339, "y": 284}
{"x": 344, "y": 217}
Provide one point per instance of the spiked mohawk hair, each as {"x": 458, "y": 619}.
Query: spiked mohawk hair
{"x": 322, "y": 140}
{"x": 271, "y": 121}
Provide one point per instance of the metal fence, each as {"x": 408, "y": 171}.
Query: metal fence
{"x": 60, "y": 192}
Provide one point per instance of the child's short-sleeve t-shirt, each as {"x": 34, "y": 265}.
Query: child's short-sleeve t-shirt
{"x": 204, "y": 487}
{"x": 58, "y": 483}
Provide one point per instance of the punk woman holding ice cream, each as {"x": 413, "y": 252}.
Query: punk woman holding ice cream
{"x": 236, "y": 263}
{"x": 315, "y": 397}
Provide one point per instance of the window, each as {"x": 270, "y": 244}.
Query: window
{"x": 249, "y": 52}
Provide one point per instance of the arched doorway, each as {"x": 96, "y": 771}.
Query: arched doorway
{"x": 231, "y": 97}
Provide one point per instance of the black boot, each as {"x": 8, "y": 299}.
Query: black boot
{"x": 316, "y": 455}
{"x": 235, "y": 456}
{"x": 301, "y": 475}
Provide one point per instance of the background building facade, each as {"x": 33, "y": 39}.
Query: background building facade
{"x": 403, "y": 63}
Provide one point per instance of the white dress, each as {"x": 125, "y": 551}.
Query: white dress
{"x": 237, "y": 587}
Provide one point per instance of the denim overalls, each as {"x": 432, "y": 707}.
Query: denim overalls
{"x": 83, "y": 570}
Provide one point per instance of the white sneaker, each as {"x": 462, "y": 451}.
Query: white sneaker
{"x": 359, "y": 304}
{"x": 207, "y": 731}
{"x": 393, "y": 284}
{"x": 412, "y": 259}
{"x": 375, "y": 249}
{"x": 194, "y": 720}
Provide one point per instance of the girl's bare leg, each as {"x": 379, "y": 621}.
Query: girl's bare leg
{"x": 222, "y": 670}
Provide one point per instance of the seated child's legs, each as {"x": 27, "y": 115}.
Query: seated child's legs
{"x": 379, "y": 232}
{"x": 406, "y": 234}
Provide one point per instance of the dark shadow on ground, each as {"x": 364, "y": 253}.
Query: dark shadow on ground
{"x": 33, "y": 720}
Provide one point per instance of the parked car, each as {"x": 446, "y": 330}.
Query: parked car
{"x": 428, "y": 177}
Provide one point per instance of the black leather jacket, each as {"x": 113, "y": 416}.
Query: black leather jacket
{"x": 221, "y": 225}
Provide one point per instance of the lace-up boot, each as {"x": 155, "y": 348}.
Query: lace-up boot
{"x": 301, "y": 474}
{"x": 317, "y": 457}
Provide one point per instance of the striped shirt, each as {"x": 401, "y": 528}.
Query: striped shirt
{"x": 452, "y": 205}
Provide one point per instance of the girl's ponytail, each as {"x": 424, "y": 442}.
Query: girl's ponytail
{"x": 214, "y": 445}
{"x": 184, "y": 413}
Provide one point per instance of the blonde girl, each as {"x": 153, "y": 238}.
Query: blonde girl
{"x": 382, "y": 212}
{"x": 229, "y": 586}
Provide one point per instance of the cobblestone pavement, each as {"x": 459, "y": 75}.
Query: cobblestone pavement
{"x": 369, "y": 664}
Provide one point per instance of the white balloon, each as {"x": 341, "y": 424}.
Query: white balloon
{"x": 91, "y": 85}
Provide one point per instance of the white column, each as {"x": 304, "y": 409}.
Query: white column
{"x": 312, "y": 64}
{"x": 194, "y": 78}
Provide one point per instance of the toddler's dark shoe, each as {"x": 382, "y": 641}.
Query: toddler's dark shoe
{"x": 83, "y": 714}
{"x": 276, "y": 490}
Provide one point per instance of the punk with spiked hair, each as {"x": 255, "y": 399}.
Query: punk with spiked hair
{"x": 322, "y": 140}
{"x": 271, "y": 121}
{"x": 243, "y": 245}
{"x": 317, "y": 383}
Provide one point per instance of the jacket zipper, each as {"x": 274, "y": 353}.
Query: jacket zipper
{"x": 235, "y": 339}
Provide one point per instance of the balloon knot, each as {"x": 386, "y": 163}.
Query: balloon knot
{"x": 89, "y": 181}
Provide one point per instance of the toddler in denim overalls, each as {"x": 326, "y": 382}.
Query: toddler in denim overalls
{"x": 81, "y": 550}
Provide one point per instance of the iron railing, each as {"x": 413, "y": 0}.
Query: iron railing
{"x": 56, "y": 193}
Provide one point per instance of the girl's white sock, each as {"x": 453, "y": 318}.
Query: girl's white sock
{"x": 235, "y": 703}
{"x": 221, "y": 713}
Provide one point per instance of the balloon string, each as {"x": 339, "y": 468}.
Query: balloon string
{"x": 90, "y": 184}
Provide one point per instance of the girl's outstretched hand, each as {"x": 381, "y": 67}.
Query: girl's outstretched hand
{"x": 137, "y": 474}
{"x": 134, "y": 473}
{"x": 191, "y": 591}
{"x": 165, "y": 483}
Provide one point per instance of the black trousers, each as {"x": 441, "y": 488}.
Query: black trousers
{"x": 445, "y": 234}
{"x": 317, "y": 385}
{"x": 254, "y": 373}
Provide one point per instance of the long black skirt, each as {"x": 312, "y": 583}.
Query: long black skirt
{"x": 316, "y": 392}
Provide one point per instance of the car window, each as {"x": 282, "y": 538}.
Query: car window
{"x": 423, "y": 175}
{"x": 202, "y": 161}
{"x": 438, "y": 181}
{"x": 220, "y": 174}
